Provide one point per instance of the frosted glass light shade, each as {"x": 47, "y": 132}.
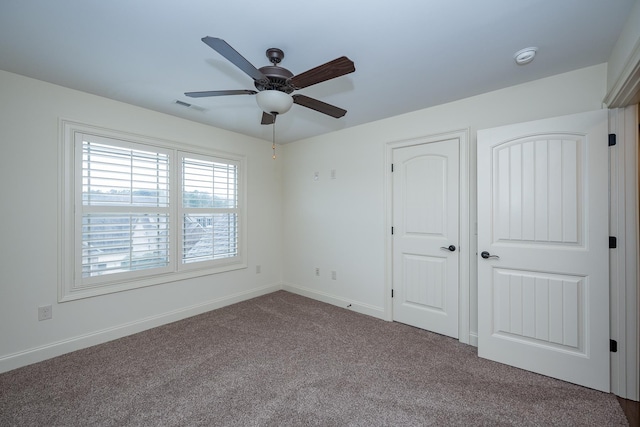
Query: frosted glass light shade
{"x": 274, "y": 101}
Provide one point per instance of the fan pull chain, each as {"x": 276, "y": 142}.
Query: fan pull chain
{"x": 273, "y": 146}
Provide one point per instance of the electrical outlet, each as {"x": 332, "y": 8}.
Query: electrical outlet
{"x": 334, "y": 275}
{"x": 333, "y": 174}
{"x": 317, "y": 271}
{"x": 316, "y": 176}
{"x": 258, "y": 269}
{"x": 45, "y": 312}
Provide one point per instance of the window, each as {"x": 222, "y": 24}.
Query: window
{"x": 209, "y": 209}
{"x": 138, "y": 212}
{"x": 124, "y": 214}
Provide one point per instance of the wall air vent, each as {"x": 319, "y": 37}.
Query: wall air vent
{"x": 186, "y": 104}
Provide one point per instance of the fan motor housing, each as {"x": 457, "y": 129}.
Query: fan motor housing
{"x": 277, "y": 76}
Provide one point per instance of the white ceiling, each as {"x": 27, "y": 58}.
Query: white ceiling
{"x": 409, "y": 54}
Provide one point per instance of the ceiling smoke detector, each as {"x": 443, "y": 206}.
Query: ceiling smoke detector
{"x": 526, "y": 55}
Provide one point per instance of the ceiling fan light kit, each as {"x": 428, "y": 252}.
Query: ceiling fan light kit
{"x": 274, "y": 101}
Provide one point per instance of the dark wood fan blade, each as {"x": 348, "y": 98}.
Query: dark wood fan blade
{"x": 319, "y": 106}
{"x": 267, "y": 119}
{"x": 224, "y": 49}
{"x": 330, "y": 70}
{"x": 220, "y": 93}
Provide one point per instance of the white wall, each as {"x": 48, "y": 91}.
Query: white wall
{"x": 340, "y": 224}
{"x": 29, "y": 116}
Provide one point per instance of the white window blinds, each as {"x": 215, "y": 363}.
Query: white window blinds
{"x": 125, "y": 208}
{"x": 210, "y": 215}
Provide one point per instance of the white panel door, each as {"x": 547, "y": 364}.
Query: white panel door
{"x": 543, "y": 278}
{"x": 425, "y": 219}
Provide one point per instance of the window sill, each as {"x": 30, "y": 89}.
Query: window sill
{"x": 72, "y": 293}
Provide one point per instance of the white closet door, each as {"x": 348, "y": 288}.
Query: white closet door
{"x": 543, "y": 281}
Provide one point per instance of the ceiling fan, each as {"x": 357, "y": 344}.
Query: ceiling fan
{"x": 274, "y": 84}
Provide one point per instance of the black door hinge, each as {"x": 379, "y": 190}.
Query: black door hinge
{"x": 391, "y": 230}
{"x": 613, "y": 242}
{"x": 613, "y": 346}
{"x": 391, "y": 293}
{"x": 612, "y": 139}
{"x": 391, "y": 167}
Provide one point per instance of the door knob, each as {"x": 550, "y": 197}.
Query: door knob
{"x": 449, "y": 248}
{"x": 487, "y": 255}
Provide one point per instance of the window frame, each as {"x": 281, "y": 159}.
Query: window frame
{"x": 71, "y": 285}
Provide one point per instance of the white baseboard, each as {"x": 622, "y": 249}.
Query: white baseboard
{"x": 356, "y": 306}
{"x": 473, "y": 339}
{"x": 38, "y": 354}
{"x": 367, "y": 309}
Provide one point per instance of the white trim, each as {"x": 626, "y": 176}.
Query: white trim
{"x": 473, "y": 339}
{"x": 38, "y": 354}
{"x": 356, "y": 306}
{"x": 623, "y": 158}
{"x": 626, "y": 89}
{"x": 466, "y": 251}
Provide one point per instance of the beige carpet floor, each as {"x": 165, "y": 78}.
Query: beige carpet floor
{"x": 285, "y": 360}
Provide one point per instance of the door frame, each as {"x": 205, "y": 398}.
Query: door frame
{"x": 465, "y": 249}
{"x": 623, "y": 273}
{"x": 622, "y": 98}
